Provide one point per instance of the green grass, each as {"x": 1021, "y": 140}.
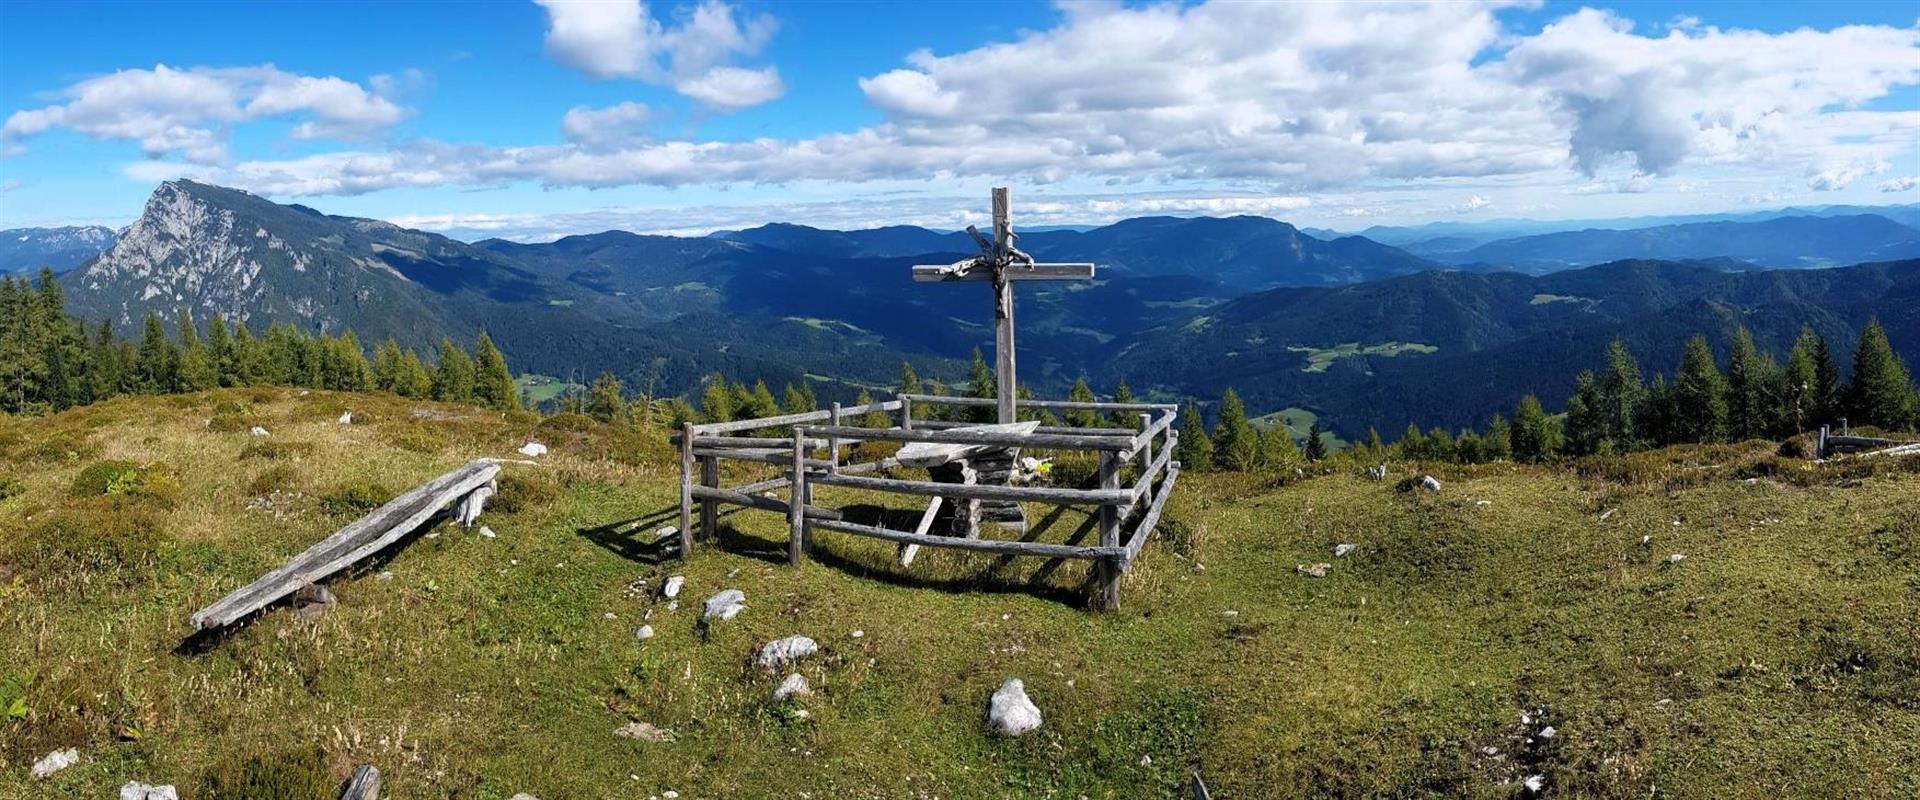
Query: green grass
{"x": 1777, "y": 660}
{"x": 1299, "y": 423}
{"x": 537, "y": 389}
{"x": 1320, "y": 358}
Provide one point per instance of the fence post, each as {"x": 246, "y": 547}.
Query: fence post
{"x": 833, "y": 442}
{"x": 797, "y": 500}
{"x": 906, "y": 412}
{"x": 1109, "y": 517}
{"x": 686, "y": 489}
{"x": 1821, "y": 450}
{"x": 709, "y": 509}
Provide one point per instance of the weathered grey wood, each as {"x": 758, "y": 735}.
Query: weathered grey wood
{"x": 1144, "y": 483}
{"x": 748, "y": 442}
{"x": 1044, "y": 549}
{"x": 797, "y": 502}
{"x": 1199, "y": 788}
{"x": 908, "y": 551}
{"x": 803, "y": 417}
{"x": 709, "y": 511}
{"x": 762, "y": 502}
{"x": 363, "y": 785}
{"x": 833, "y": 443}
{"x": 763, "y": 456}
{"x": 686, "y": 489}
{"x": 906, "y": 412}
{"x": 1151, "y": 519}
{"x": 1089, "y": 405}
{"x": 942, "y": 425}
{"x": 1018, "y": 494}
{"x": 944, "y": 273}
{"x": 985, "y": 435}
{"x": 1146, "y": 442}
{"x": 1003, "y": 305}
{"x": 780, "y": 481}
{"x": 1148, "y": 431}
{"x": 365, "y": 536}
{"x": 930, "y": 454}
{"x": 1109, "y": 519}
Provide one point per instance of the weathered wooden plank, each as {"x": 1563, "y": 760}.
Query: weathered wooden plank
{"x": 709, "y": 513}
{"x": 908, "y": 551}
{"x": 944, "y": 273}
{"x": 1092, "y": 405}
{"x": 984, "y": 435}
{"x": 797, "y": 503}
{"x": 931, "y": 454}
{"x": 1109, "y": 519}
{"x": 763, "y": 456}
{"x": 1151, "y": 519}
{"x": 1150, "y": 430}
{"x": 1145, "y": 481}
{"x": 762, "y": 502}
{"x": 788, "y": 419}
{"x": 943, "y": 425}
{"x": 1044, "y": 549}
{"x": 686, "y": 489}
{"x": 363, "y": 785}
{"x": 748, "y": 442}
{"x": 961, "y": 491}
{"x": 780, "y": 481}
{"x": 356, "y": 541}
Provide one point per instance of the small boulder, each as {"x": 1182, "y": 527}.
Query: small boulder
{"x": 55, "y": 761}
{"x": 725, "y": 605}
{"x": 533, "y": 449}
{"x": 1010, "y": 712}
{"x": 672, "y": 589}
{"x": 1429, "y": 483}
{"x": 1340, "y": 550}
{"x": 523, "y": 796}
{"x": 486, "y": 532}
{"x": 781, "y": 652}
{"x": 135, "y": 790}
{"x": 644, "y": 732}
{"x": 347, "y": 418}
{"x": 313, "y": 601}
{"x": 1319, "y": 570}
{"x": 1676, "y": 558}
{"x": 794, "y": 686}
{"x": 645, "y": 633}
{"x": 257, "y": 431}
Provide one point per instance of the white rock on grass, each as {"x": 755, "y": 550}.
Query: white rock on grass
{"x": 1340, "y": 550}
{"x": 1010, "y": 712}
{"x": 135, "y": 790}
{"x": 725, "y": 605}
{"x": 486, "y": 532}
{"x": 1429, "y": 483}
{"x": 56, "y": 761}
{"x": 257, "y": 431}
{"x": 1319, "y": 570}
{"x": 523, "y": 796}
{"x": 1676, "y": 558}
{"x": 665, "y": 532}
{"x": 672, "y": 589}
{"x": 533, "y": 449}
{"x": 1536, "y": 783}
{"x": 781, "y": 652}
{"x": 794, "y": 686}
{"x": 645, "y": 633}
{"x": 347, "y": 418}
{"x": 641, "y": 731}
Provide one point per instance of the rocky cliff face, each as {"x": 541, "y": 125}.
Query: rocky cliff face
{"x": 58, "y": 249}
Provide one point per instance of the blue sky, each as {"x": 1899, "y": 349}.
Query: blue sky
{"x": 536, "y": 120}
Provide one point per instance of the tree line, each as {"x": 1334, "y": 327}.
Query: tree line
{"x": 51, "y": 360}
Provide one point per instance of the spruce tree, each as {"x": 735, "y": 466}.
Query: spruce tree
{"x": 1316, "y": 442}
{"x": 981, "y": 385}
{"x": 794, "y": 401}
{"x": 1413, "y": 443}
{"x": 1083, "y": 417}
{"x": 1799, "y": 385}
{"x": 158, "y": 357}
{"x": 1881, "y": 391}
{"x": 1531, "y": 437}
{"x": 195, "y": 370}
{"x": 763, "y": 404}
{"x": 493, "y": 385}
{"x": 1124, "y": 418}
{"x": 605, "y": 399}
{"x": 1497, "y": 445}
{"x": 1376, "y": 449}
{"x": 1749, "y": 380}
{"x": 1586, "y": 429}
{"x": 1234, "y": 446}
{"x": 386, "y": 365}
{"x": 453, "y": 377}
{"x": 1826, "y": 384}
{"x": 716, "y": 400}
{"x": 1195, "y": 450}
{"x": 1620, "y": 395}
{"x": 935, "y": 411}
{"x": 910, "y": 384}
{"x": 872, "y": 419}
{"x": 1440, "y": 445}
{"x": 1699, "y": 396}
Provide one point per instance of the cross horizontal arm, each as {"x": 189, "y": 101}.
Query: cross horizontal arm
{"x": 928, "y": 273}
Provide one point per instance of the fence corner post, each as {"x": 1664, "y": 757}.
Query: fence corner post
{"x": 1108, "y": 567}
{"x": 797, "y": 500}
{"x": 686, "y": 490}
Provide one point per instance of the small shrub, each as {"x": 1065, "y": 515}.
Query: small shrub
{"x": 276, "y": 478}
{"x": 230, "y": 407}
{"x": 421, "y": 439}
{"x": 97, "y": 535}
{"x": 520, "y": 491}
{"x": 153, "y": 483}
{"x": 267, "y": 448}
{"x": 355, "y": 497}
{"x": 9, "y": 487}
{"x": 570, "y": 423}
{"x": 232, "y": 422}
{"x": 639, "y": 446}
{"x": 296, "y": 774}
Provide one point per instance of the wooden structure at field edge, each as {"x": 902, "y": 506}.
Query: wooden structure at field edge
{"x": 811, "y": 458}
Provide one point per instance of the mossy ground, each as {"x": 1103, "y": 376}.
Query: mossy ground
{"x": 1781, "y": 657}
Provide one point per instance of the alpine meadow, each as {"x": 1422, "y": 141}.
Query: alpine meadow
{"x": 739, "y": 398}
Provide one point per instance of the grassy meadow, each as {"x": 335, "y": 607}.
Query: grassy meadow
{"x": 1779, "y": 657}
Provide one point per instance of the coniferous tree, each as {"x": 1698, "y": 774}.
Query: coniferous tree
{"x": 1316, "y": 442}
{"x": 1440, "y": 445}
{"x": 872, "y": 419}
{"x": 1657, "y": 414}
{"x": 1749, "y": 381}
{"x": 1531, "y": 437}
{"x": 1195, "y": 450}
{"x": 1699, "y": 396}
{"x": 934, "y": 411}
{"x": 1826, "y": 384}
{"x": 1234, "y": 446}
{"x": 794, "y": 400}
{"x": 1881, "y": 391}
{"x": 680, "y": 412}
{"x": 251, "y": 358}
{"x": 106, "y": 353}
{"x": 453, "y": 377}
{"x": 386, "y": 365}
{"x": 1413, "y": 443}
{"x": 1497, "y": 445}
{"x": 155, "y": 368}
{"x": 1082, "y": 417}
{"x": 226, "y": 363}
{"x": 410, "y": 379}
{"x": 761, "y": 402}
{"x": 716, "y": 400}
{"x": 1376, "y": 449}
{"x": 1468, "y": 449}
{"x": 606, "y": 399}
{"x": 493, "y": 385}
{"x": 1586, "y": 429}
{"x": 1278, "y": 453}
{"x": 1620, "y": 395}
{"x": 981, "y": 384}
{"x": 910, "y": 384}
{"x": 1798, "y": 386}
{"x": 1123, "y": 418}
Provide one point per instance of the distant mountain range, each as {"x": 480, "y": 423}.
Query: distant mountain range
{"x": 1362, "y": 332}
{"x": 60, "y": 249}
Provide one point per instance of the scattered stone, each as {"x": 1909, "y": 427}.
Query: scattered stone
{"x": 672, "y": 589}
{"x": 1676, "y": 558}
{"x": 1010, "y": 712}
{"x": 1429, "y": 483}
{"x": 1483, "y": 502}
{"x": 1378, "y": 473}
{"x": 1340, "y": 550}
{"x": 1607, "y": 513}
{"x": 1547, "y": 732}
{"x": 313, "y": 601}
{"x": 645, "y": 633}
{"x": 669, "y": 795}
{"x": 347, "y": 418}
{"x": 1231, "y": 612}
{"x": 609, "y": 615}
{"x": 1319, "y": 570}
{"x": 781, "y": 652}
{"x": 486, "y": 532}
{"x": 257, "y": 431}
{"x": 1146, "y": 759}
{"x": 56, "y": 761}
{"x": 670, "y": 530}
{"x": 675, "y": 606}
{"x": 523, "y": 796}
{"x": 533, "y": 449}
{"x": 641, "y": 731}
{"x": 725, "y": 605}
{"x": 1536, "y": 783}
{"x": 1647, "y": 540}
{"x": 135, "y": 790}
{"x": 858, "y": 634}
{"x": 794, "y": 686}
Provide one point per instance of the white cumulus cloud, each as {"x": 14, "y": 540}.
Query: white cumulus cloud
{"x": 622, "y": 39}
{"x": 1900, "y": 184}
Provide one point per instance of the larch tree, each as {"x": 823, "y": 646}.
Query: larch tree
{"x": 1881, "y": 391}
{"x": 1234, "y": 446}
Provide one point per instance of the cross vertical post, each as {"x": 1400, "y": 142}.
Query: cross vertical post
{"x": 1003, "y": 304}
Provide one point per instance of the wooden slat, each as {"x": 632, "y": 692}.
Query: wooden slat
{"x": 962, "y": 491}
{"x": 943, "y": 425}
{"x": 932, "y": 454}
{"x": 764, "y": 456}
{"x": 779, "y": 481}
{"x": 943, "y": 273}
{"x": 1152, "y": 517}
{"x": 788, "y": 419}
{"x": 908, "y": 551}
{"x": 686, "y": 489}
{"x": 1045, "y": 549}
{"x": 1109, "y": 519}
{"x": 761, "y": 502}
{"x": 364, "y": 784}
{"x": 1145, "y": 481}
{"x": 1093, "y": 405}
{"x": 979, "y": 435}
{"x": 362, "y": 538}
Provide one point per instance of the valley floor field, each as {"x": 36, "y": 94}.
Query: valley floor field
{"x": 1778, "y": 657}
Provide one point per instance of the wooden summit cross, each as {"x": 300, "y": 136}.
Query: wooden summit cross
{"x": 1002, "y": 263}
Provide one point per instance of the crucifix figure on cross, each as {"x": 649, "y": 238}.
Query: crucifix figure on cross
{"x": 1002, "y": 263}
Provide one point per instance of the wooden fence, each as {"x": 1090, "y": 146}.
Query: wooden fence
{"x": 811, "y": 457}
